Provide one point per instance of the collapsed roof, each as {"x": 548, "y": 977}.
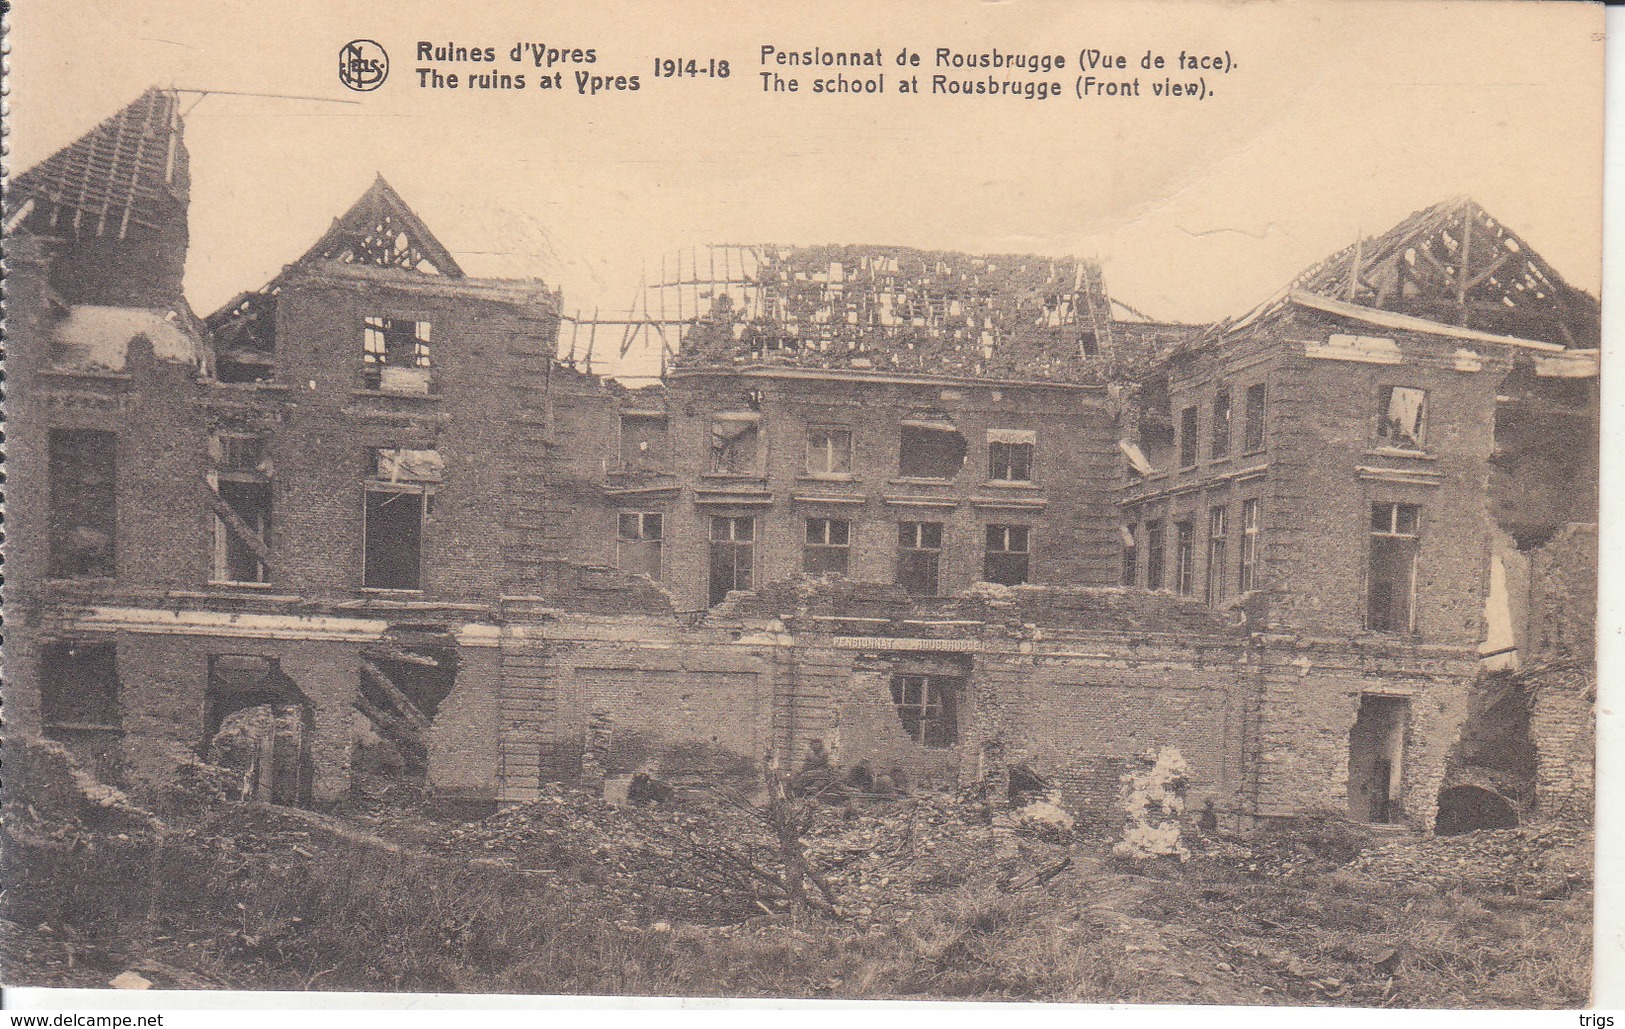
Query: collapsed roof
{"x": 125, "y": 175}
{"x": 379, "y": 231}
{"x": 900, "y": 309}
{"x": 1452, "y": 264}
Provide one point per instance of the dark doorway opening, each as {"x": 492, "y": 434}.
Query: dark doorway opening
{"x": 1376, "y": 759}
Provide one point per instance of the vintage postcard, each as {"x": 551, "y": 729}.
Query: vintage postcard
{"x": 1092, "y": 503}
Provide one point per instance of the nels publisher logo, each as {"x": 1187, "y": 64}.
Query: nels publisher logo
{"x": 363, "y": 65}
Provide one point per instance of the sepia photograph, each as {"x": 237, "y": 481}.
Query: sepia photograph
{"x": 1069, "y": 503}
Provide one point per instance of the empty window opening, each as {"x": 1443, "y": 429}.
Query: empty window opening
{"x": 1185, "y": 558}
{"x": 733, "y": 555}
{"x": 395, "y": 354}
{"x": 1217, "y": 529}
{"x": 644, "y": 443}
{"x": 927, "y": 706}
{"x": 1395, "y": 541}
{"x": 829, "y": 546}
{"x": 1156, "y": 554}
{"x": 257, "y": 722}
{"x": 638, "y": 543}
{"x": 736, "y": 443}
{"x": 1253, "y": 431}
{"x": 929, "y": 449}
{"x": 919, "y": 557}
{"x": 236, "y": 558}
{"x": 79, "y": 686}
{"x": 1376, "y": 759}
{"x": 1010, "y": 455}
{"x": 1471, "y": 808}
{"x": 242, "y": 518}
{"x": 83, "y": 503}
{"x": 393, "y": 538}
{"x": 1402, "y": 416}
{"x": 79, "y": 703}
{"x": 1247, "y": 577}
{"x": 1131, "y": 555}
{"x": 1221, "y": 425}
{"x": 1088, "y": 344}
{"x": 829, "y": 451}
{"x": 1187, "y": 437}
{"x": 1007, "y": 554}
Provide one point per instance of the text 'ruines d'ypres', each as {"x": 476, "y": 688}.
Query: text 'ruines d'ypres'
{"x": 1090, "y": 74}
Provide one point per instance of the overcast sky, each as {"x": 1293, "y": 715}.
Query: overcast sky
{"x": 1339, "y": 118}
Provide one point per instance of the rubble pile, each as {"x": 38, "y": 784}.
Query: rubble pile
{"x": 713, "y": 860}
{"x": 1543, "y": 861}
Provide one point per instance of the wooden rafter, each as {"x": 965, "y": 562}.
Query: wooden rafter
{"x": 380, "y": 229}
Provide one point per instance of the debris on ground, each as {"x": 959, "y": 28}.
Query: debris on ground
{"x": 1543, "y": 861}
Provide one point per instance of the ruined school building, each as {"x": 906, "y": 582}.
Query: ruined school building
{"x": 943, "y": 516}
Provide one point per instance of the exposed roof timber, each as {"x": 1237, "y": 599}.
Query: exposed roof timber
{"x": 380, "y": 229}
{"x": 1411, "y": 323}
{"x": 128, "y": 172}
{"x": 1455, "y": 257}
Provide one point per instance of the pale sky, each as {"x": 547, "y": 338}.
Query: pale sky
{"x": 1339, "y": 118}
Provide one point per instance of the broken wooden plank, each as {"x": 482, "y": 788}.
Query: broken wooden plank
{"x": 235, "y": 523}
{"x": 410, "y": 711}
{"x": 396, "y": 730}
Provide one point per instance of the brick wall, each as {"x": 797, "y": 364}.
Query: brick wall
{"x": 1074, "y": 536}
{"x": 1310, "y": 698}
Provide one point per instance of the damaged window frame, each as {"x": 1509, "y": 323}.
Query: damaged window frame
{"x": 1219, "y": 444}
{"x": 83, "y": 472}
{"x": 653, "y": 448}
{"x": 727, "y": 456}
{"x": 729, "y": 542}
{"x": 1185, "y": 557}
{"x": 386, "y": 336}
{"x": 829, "y": 452}
{"x": 927, "y": 708}
{"x": 241, "y": 478}
{"x": 1156, "y": 554}
{"x": 1257, "y": 407}
{"x": 919, "y": 558}
{"x": 421, "y": 489}
{"x": 1218, "y": 518}
{"x": 1131, "y": 554}
{"x": 1395, "y": 531}
{"x": 1007, "y": 558}
{"x": 921, "y": 453}
{"x": 641, "y": 533}
{"x": 1389, "y": 429}
{"x": 1190, "y": 451}
{"x": 1251, "y": 530}
{"x": 1010, "y": 456}
{"x": 829, "y": 546}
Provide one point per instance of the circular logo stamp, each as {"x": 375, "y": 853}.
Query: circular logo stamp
{"x": 363, "y": 65}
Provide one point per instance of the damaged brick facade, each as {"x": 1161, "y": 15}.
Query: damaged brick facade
{"x": 370, "y": 497}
